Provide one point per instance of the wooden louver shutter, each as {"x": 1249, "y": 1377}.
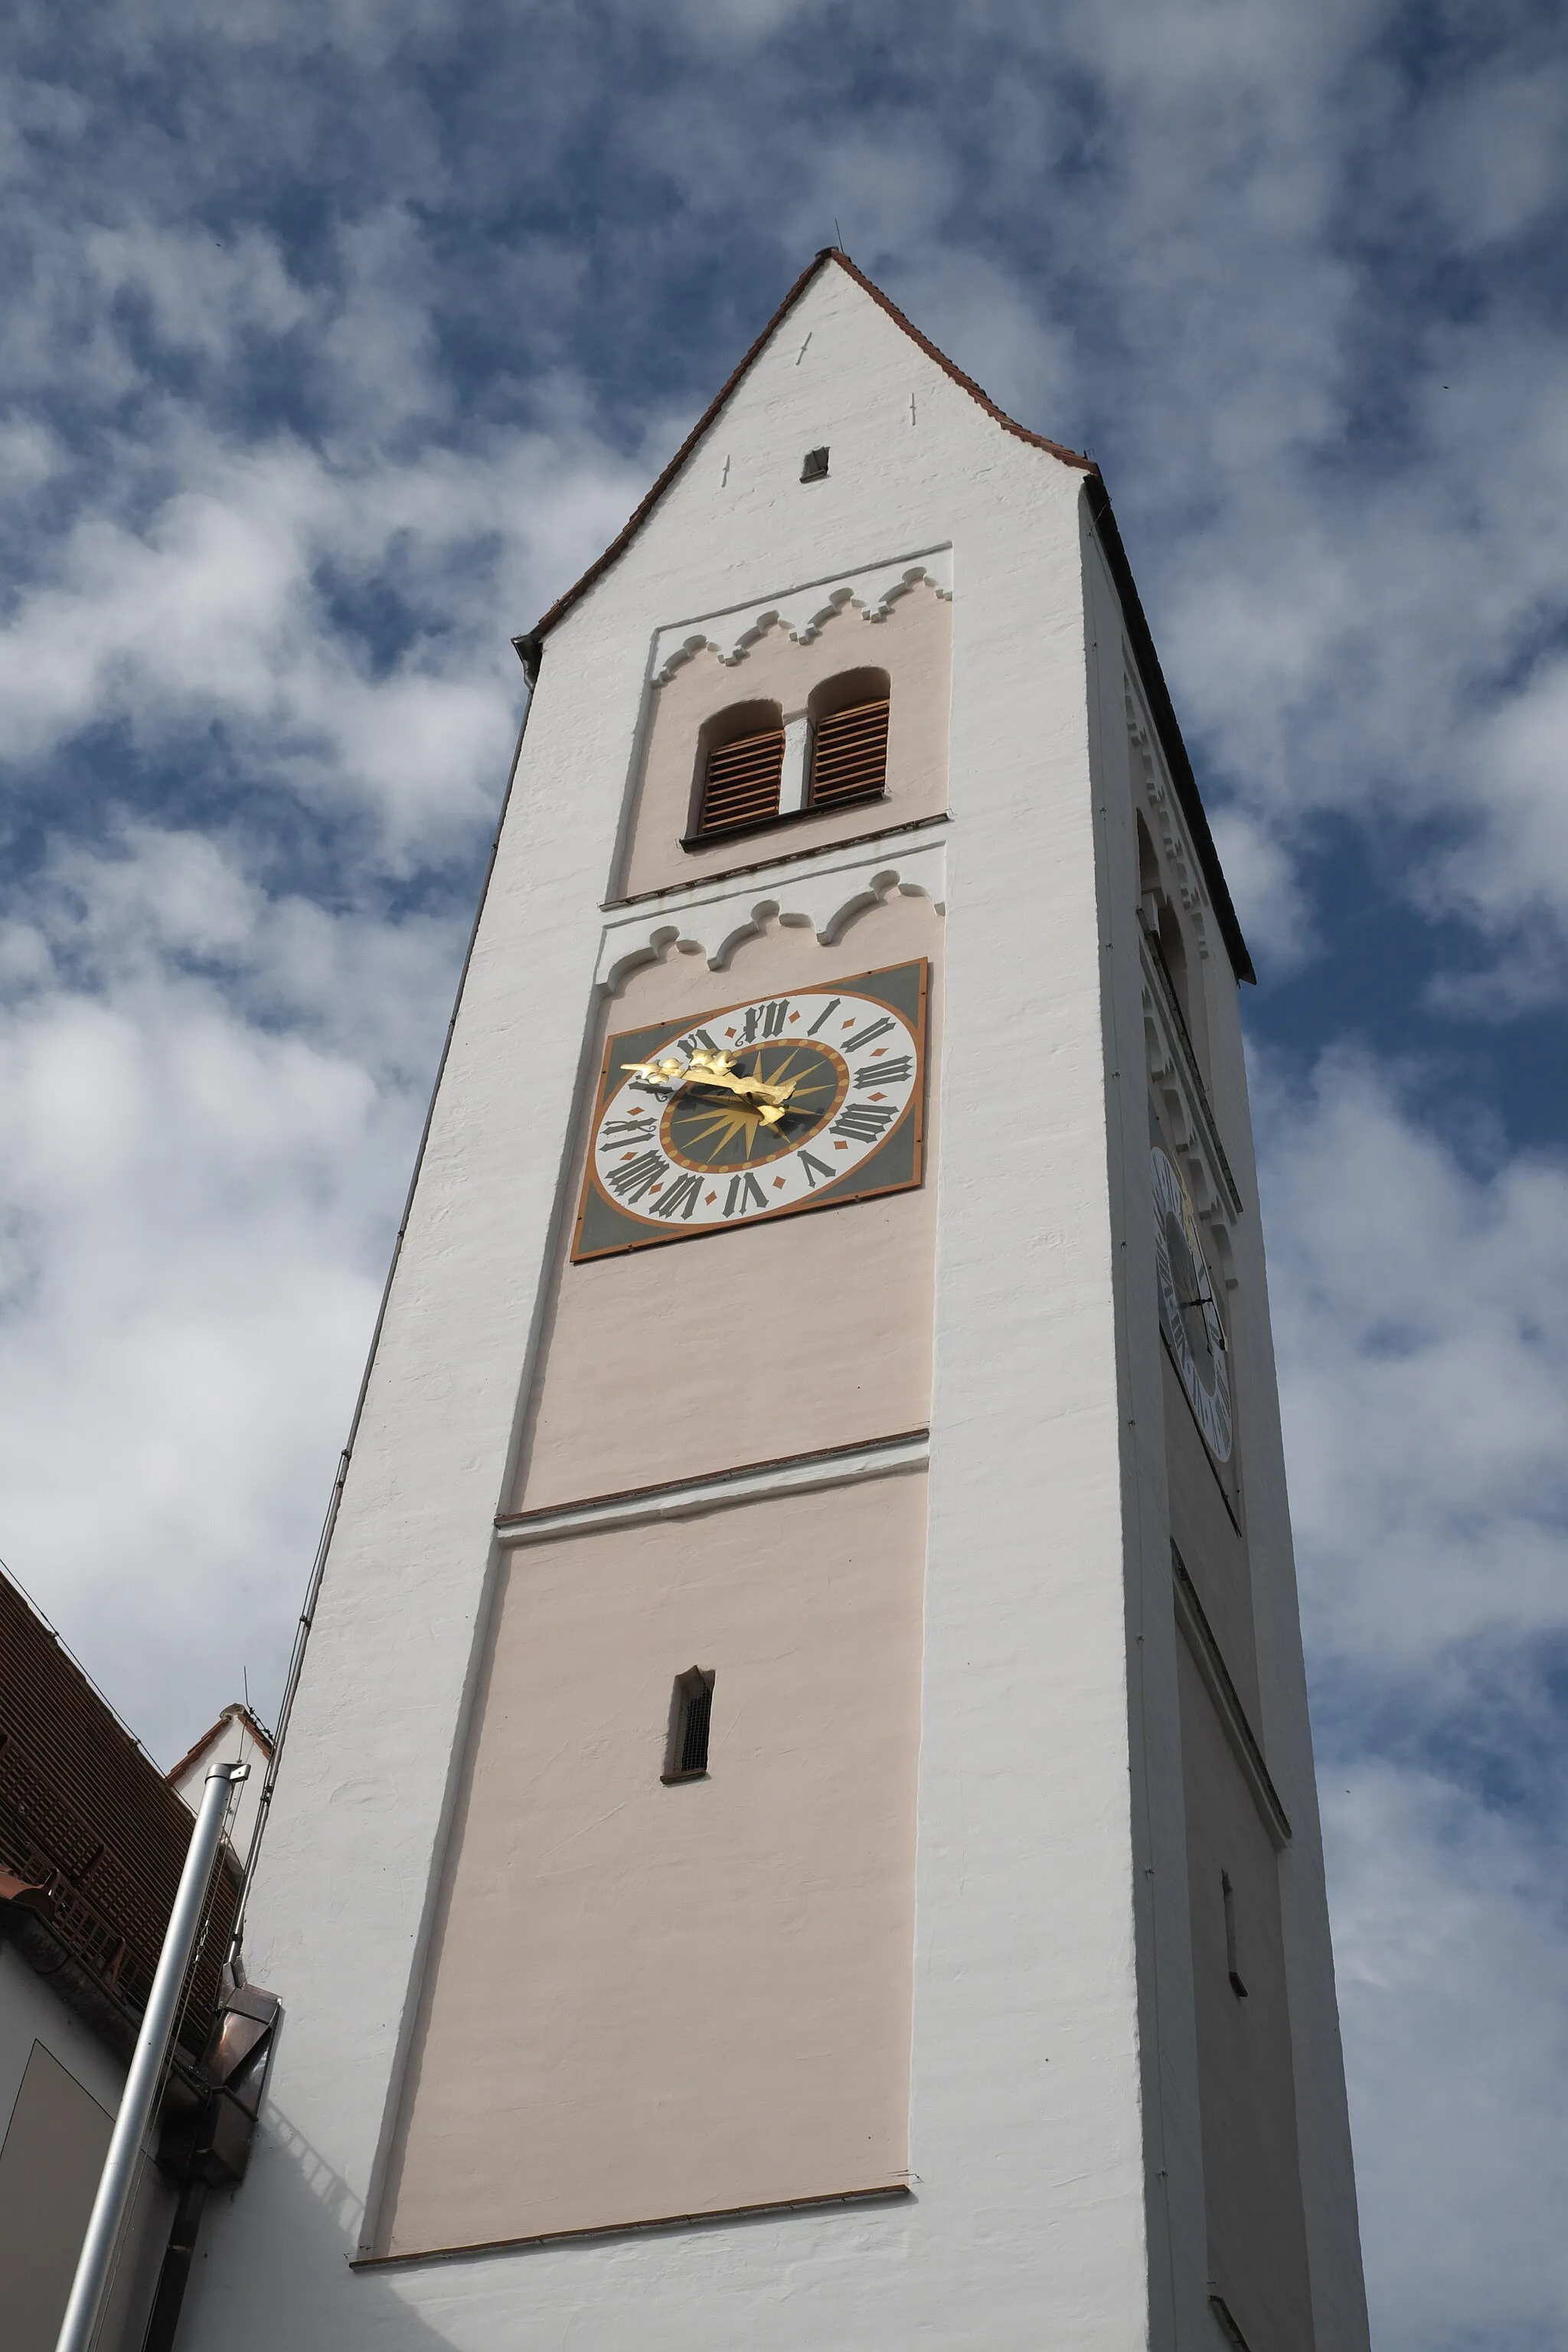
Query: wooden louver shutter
{"x": 849, "y": 757}
{"x": 743, "y": 781}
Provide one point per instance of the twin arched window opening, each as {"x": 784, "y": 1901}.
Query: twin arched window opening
{"x": 753, "y": 767}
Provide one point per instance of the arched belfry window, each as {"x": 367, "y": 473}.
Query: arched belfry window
{"x": 740, "y": 766}
{"x": 848, "y": 739}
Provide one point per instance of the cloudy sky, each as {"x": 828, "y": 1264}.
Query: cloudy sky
{"x": 338, "y": 334}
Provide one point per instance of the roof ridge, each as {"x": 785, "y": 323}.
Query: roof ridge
{"x": 1009, "y": 424}
{"x": 235, "y": 1709}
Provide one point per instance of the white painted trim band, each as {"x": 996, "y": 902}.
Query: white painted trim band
{"x": 886, "y": 1457}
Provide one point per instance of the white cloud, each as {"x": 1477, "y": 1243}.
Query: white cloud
{"x": 216, "y": 608}
{"x": 1519, "y": 760}
{"x": 1491, "y": 155}
{"x": 198, "y": 1203}
{"x": 1453, "y": 1979}
{"x": 202, "y": 291}
{"x": 1421, "y": 1309}
{"x": 1274, "y": 913}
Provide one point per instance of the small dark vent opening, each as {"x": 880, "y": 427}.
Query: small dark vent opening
{"x": 849, "y": 755}
{"x": 742, "y": 786}
{"x": 816, "y": 466}
{"x": 1228, "y": 1896}
{"x": 690, "y": 1719}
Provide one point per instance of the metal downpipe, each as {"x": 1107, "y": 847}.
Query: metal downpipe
{"x": 95, "y": 2265}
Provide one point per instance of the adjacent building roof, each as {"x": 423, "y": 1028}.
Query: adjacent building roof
{"x": 233, "y": 1713}
{"x": 531, "y": 648}
{"x": 92, "y": 1839}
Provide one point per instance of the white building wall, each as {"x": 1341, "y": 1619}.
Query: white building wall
{"x": 29, "y": 2012}
{"x": 32, "y": 2013}
{"x": 1322, "y": 2117}
{"x": 1168, "y": 2045}
{"x": 233, "y": 1742}
{"x": 1031, "y": 2074}
{"x": 1338, "y": 2308}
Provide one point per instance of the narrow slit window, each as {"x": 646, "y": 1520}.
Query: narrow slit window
{"x": 690, "y": 1720}
{"x": 741, "y": 785}
{"x": 1228, "y": 1896}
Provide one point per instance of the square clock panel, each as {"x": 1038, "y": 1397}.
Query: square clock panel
{"x": 761, "y": 1109}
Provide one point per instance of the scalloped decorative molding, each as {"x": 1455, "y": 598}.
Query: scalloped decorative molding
{"x": 1170, "y": 831}
{"x": 803, "y": 612}
{"x": 823, "y": 896}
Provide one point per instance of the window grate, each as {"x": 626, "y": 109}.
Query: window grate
{"x": 742, "y": 786}
{"x": 849, "y": 757}
{"x": 691, "y": 1721}
{"x": 694, "y": 1735}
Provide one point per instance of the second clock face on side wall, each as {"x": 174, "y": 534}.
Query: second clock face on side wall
{"x": 1189, "y": 1308}
{"x": 777, "y": 1104}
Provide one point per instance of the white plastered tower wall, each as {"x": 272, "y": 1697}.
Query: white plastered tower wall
{"x": 1327, "y": 2170}
{"x": 1053, "y": 2092}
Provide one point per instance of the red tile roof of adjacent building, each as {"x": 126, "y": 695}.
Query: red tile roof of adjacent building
{"x": 235, "y": 1713}
{"x": 86, "y": 1815}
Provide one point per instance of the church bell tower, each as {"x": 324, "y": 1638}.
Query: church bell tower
{"x": 798, "y": 1826}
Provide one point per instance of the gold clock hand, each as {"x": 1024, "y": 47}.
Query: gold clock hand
{"x": 715, "y": 1070}
{"x": 718, "y": 1070}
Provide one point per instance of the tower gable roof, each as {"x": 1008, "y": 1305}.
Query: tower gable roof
{"x": 830, "y": 255}
{"x": 531, "y": 648}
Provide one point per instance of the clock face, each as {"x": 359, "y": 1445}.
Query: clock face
{"x": 777, "y": 1104}
{"x": 1189, "y": 1312}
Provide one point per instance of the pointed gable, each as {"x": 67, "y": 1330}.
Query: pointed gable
{"x": 531, "y": 647}
{"x": 829, "y": 258}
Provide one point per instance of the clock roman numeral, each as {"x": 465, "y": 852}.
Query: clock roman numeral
{"x": 864, "y": 1122}
{"x": 765, "y": 1020}
{"x": 893, "y": 1073}
{"x": 831, "y": 1006}
{"x": 864, "y": 1037}
{"x": 633, "y": 1178}
{"x": 619, "y": 1131}
{"x": 697, "y": 1037}
{"x": 745, "y": 1193}
{"x": 681, "y": 1198}
{"x": 812, "y": 1169}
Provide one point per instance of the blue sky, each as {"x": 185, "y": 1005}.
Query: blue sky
{"x": 339, "y": 337}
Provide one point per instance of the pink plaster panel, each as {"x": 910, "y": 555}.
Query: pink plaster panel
{"x": 648, "y": 2001}
{"x": 741, "y": 1347}
{"x": 912, "y": 642}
